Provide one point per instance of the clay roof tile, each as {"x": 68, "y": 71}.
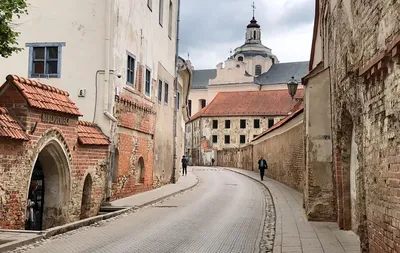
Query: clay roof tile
{"x": 90, "y": 134}
{"x": 9, "y": 128}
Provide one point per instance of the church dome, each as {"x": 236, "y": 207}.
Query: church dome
{"x": 253, "y": 24}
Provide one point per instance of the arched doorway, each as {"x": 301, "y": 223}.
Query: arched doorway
{"x": 86, "y": 197}
{"x": 140, "y": 171}
{"x": 49, "y": 188}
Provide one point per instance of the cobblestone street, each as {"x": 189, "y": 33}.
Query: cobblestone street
{"x": 224, "y": 213}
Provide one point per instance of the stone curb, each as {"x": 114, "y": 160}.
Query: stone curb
{"x": 266, "y": 187}
{"x": 82, "y": 223}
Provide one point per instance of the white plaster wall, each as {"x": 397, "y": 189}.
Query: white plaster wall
{"x": 317, "y": 48}
{"x": 353, "y": 187}
{"x": 232, "y": 72}
{"x": 80, "y": 25}
{"x": 251, "y": 63}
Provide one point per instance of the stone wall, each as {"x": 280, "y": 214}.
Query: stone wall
{"x": 361, "y": 47}
{"x": 283, "y": 148}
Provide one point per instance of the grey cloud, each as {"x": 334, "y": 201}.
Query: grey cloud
{"x": 299, "y": 14}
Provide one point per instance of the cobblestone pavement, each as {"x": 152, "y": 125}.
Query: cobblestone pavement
{"x": 224, "y": 213}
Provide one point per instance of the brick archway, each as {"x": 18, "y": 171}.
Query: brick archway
{"x": 52, "y": 198}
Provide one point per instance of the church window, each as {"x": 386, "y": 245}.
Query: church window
{"x": 161, "y": 12}
{"x": 227, "y": 124}
{"x": 215, "y": 124}
{"x": 270, "y": 122}
{"x": 227, "y": 139}
{"x": 258, "y": 70}
{"x": 255, "y": 35}
{"x": 215, "y": 139}
{"x": 242, "y": 123}
{"x": 242, "y": 139}
{"x": 240, "y": 58}
{"x": 170, "y": 20}
{"x": 256, "y": 123}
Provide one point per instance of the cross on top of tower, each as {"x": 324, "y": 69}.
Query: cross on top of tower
{"x": 254, "y": 8}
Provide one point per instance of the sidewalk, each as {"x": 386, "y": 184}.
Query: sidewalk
{"x": 294, "y": 233}
{"x": 12, "y": 239}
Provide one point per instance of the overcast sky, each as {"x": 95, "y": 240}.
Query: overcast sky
{"x": 209, "y": 29}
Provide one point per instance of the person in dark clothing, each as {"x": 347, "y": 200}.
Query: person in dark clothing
{"x": 184, "y": 166}
{"x": 262, "y": 166}
{"x": 212, "y": 161}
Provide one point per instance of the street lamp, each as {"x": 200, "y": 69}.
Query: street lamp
{"x": 292, "y": 87}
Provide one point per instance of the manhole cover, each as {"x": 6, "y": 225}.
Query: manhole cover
{"x": 5, "y": 241}
{"x": 165, "y": 206}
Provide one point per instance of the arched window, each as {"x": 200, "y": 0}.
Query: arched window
{"x": 258, "y": 70}
{"x": 240, "y": 58}
{"x": 255, "y": 35}
{"x": 140, "y": 171}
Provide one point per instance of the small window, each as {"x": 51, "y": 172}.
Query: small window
{"x": 227, "y": 124}
{"x": 161, "y": 12}
{"x": 130, "y": 70}
{"x": 190, "y": 107}
{"x": 45, "y": 59}
{"x": 159, "y": 91}
{"x": 242, "y": 123}
{"x": 166, "y": 93}
{"x": 240, "y": 58}
{"x": 202, "y": 103}
{"x": 256, "y": 123}
{"x": 227, "y": 139}
{"x": 258, "y": 70}
{"x": 215, "y": 139}
{"x": 255, "y": 35}
{"x": 150, "y": 4}
{"x": 170, "y": 20}
{"x": 177, "y": 100}
{"x": 148, "y": 82}
{"x": 215, "y": 124}
{"x": 242, "y": 139}
{"x": 270, "y": 122}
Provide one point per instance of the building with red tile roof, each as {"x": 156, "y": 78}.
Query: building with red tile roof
{"x": 9, "y": 127}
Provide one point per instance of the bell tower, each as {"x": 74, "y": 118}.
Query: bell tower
{"x": 253, "y": 32}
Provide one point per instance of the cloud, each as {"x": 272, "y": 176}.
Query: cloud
{"x": 209, "y": 29}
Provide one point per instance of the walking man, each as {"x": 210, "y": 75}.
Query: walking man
{"x": 212, "y": 161}
{"x": 184, "y": 166}
{"x": 262, "y": 166}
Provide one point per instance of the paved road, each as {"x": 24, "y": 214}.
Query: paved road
{"x": 224, "y": 213}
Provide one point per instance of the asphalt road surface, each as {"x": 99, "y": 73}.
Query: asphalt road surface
{"x": 224, "y": 213}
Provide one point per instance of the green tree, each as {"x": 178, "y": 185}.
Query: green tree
{"x": 8, "y": 37}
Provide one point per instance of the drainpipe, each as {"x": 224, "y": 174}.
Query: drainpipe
{"x": 175, "y": 126}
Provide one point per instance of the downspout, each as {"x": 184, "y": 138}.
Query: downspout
{"x": 173, "y": 178}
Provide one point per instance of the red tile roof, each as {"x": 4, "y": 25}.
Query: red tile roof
{"x": 42, "y": 96}
{"x": 250, "y": 103}
{"x": 9, "y": 128}
{"x": 280, "y": 123}
{"x": 90, "y": 134}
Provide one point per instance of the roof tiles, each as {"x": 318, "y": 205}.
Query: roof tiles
{"x": 90, "y": 134}
{"x": 250, "y": 103}
{"x": 9, "y": 128}
{"x": 42, "y": 96}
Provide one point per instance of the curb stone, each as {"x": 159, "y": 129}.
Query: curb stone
{"x": 268, "y": 233}
{"x": 46, "y": 234}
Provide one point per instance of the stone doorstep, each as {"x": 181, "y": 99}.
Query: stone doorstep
{"x": 78, "y": 224}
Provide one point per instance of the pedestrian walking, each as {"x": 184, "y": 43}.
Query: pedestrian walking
{"x": 262, "y": 166}
{"x": 184, "y": 166}
{"x": 212, "y": 161}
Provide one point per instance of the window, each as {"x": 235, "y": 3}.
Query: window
{"x": 270, "y": 122}
{"x": 255, "y": 35}
{"x": 215, "y": 124}
{"x": 227, "y": 139}
{"x": 242, "y": 123}
{"x": 240, "y": 58}
{"x": 130, "y": 79}
{"x": 177, "y": 101}
{"x": 159, "y": 91}
{"x": 242, "y": 139}
{"x": 166, "y": 93}
{"x": 215, "y": 139}
{"x": 258, "y": 70}
{"x": 150, "y": 4}
{"x": 190, "y": 107}
{"x": 161, "y": 12}
{"x": 148, "y": 83}
{"x": 256, "y": 123}
{"x": 170, "y": 20}
{"x": 202, "y": 103}
{"x": 45, "y": 59}
{"x": 227, "y": 124}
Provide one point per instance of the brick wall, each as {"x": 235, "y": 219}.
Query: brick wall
{"x": 283, "y": 148}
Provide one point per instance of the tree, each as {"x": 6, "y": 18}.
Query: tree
{"x": 8, "y": 37}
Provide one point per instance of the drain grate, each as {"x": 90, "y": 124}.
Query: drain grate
{"x": 165, "y": 206}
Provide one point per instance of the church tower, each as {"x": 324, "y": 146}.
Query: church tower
{"x": 253, "y": 33}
